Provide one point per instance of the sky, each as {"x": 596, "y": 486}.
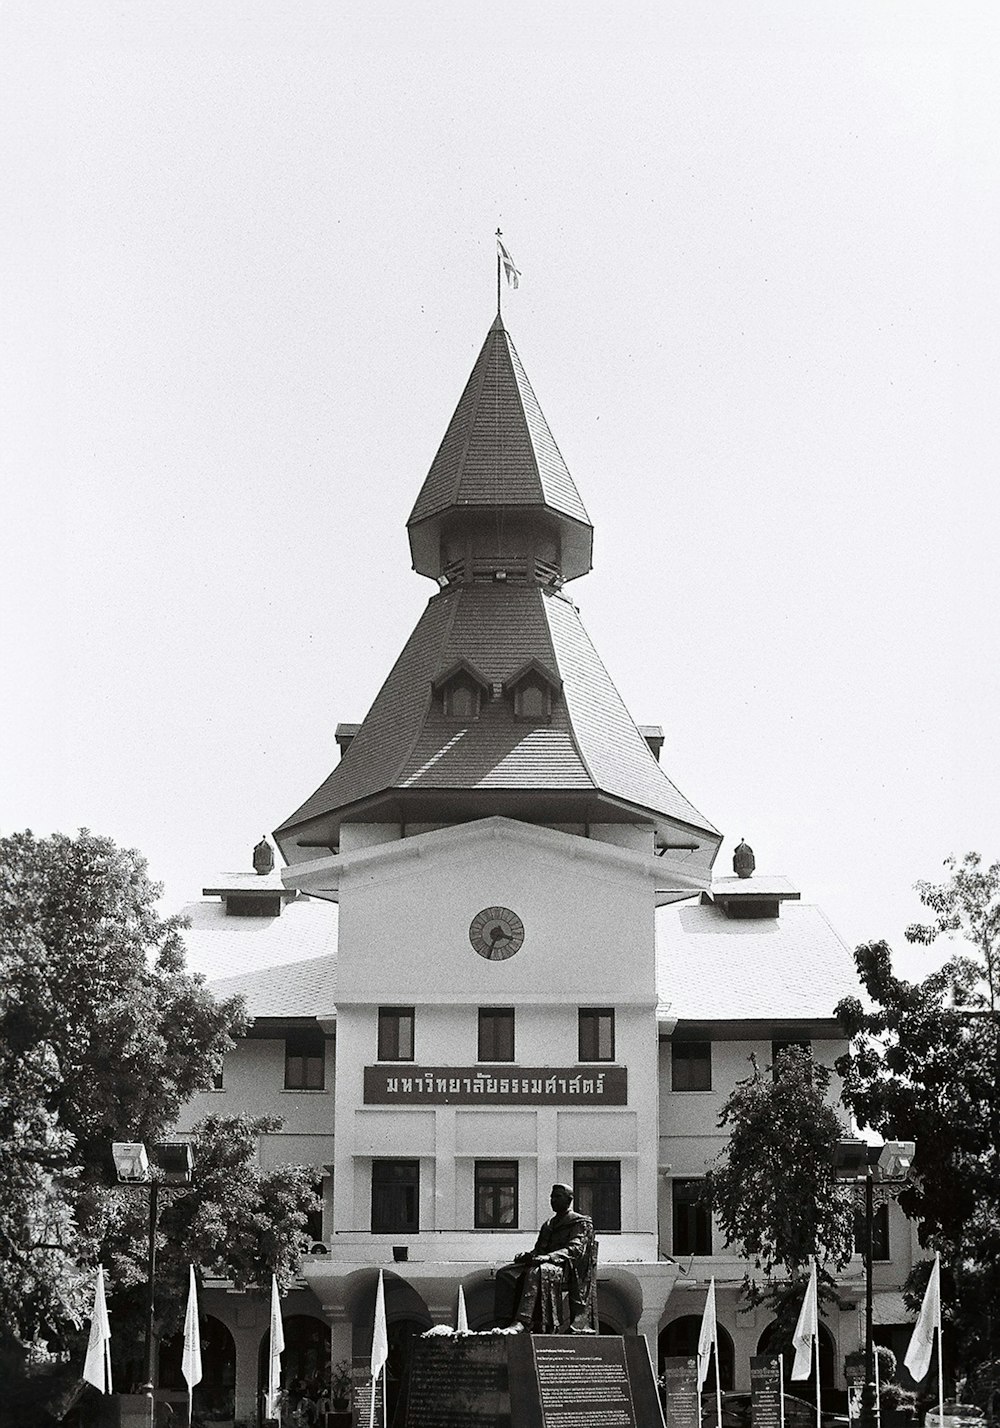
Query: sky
{"x": 246, "y": 265}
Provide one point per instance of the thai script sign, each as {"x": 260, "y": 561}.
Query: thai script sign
{"x": 474, "y": 1086}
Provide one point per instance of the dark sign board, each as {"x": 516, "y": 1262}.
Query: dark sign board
{"x": 765, "y": 1390}
{"x": 529, "y": 1381}
{"x": 583, "y": 1381}
{"x": 361, "y": 1393}
{"x": 472, "y": 1086}
{"x": 459, "y": 1382}
{"x": 681, "y": 1380}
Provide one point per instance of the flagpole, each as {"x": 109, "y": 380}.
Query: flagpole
{"x": 781, "y": 1390}
{"x": 718, "y": 1383}
{"x": 819, "y": 1411}
{"x": 499, "y": 235}
{"x": 940, "y": 1338}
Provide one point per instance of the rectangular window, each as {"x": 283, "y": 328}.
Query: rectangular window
{"x": 880, "y": 1233}
{"x": 597, "y": 1192}
{"x": 218, "y": 1079}
{"x": 395, "y": 1197}
{"x": 395, "y": 1033}
{"x": 691, "y": 1065}
{"x": 597, "y": 1034}
{"x": 305, "y": 1061}
{"x": 496, "y": 1033}
{"x": 496, "y": 1194}
{"x": 692, "y": 1221}
{"x": 314, "y": 1218}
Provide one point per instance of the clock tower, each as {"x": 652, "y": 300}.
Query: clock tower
{"x": 498, "y": 834}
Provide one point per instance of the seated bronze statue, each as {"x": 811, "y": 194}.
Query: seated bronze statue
{"x": 529, "y": 1291}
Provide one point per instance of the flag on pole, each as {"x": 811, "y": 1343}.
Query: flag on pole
{"x": 275, "y": 1350}
{"x": 191, "y": 1359}
{"x": 918, "y": 1355}
{"x": 708, "y": 1339}
{"x": 511, "y": 272}
{"x": 462, "y": 1320}
{"x": 97, "y": 1365}
{"x": 380, "y": 1342}
{"x": 806, "y": 1330}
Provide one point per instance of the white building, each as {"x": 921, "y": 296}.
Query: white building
{"x": 530, "y": 974}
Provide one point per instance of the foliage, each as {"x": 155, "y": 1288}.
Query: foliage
{"x": 925, "y": 1066}
{"x": 237, "y": 1222}
{"x": 103, "y": 1036}
{"x": 772, "y": 1188}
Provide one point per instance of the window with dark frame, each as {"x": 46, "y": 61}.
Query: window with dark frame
{"x": 305, "y": 1061}
{"x": 597, "y": 1034}
{"x": 692, "y": 1222}
{"x": 597, "y": 1192}
{"x": 395, "y": 1197}
{"x": 691, "y": 1065}
{"x": 395, "y": 1033}
{"x": 461, "y": 698}
{"x": 314, "y": 1218}
{"x": 880, "y": 1233}
{"x": 532, "y": 699}
{"x": 496, "y": 1195}
{"x": 496, "y": 1034}
{"x": 218, "y": 1078}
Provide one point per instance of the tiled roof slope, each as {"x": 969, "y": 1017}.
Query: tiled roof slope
{"x": 498, "y": 449}
{"x": 591, "y": 743}
{"x": 617, "y": 756}
{"x": 219, "y": 945}
{"x": 713, "y": 968}
{"x": 296, "y": 989}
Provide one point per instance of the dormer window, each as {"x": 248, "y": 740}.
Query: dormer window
{"x": 461, "y": 699}
{"x": 461, "y": 690}
{"x": 533, "y": 689}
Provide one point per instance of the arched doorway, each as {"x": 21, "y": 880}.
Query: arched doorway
{"x": 772, "y": 1341}
{"x": 215, "y": 1395}
{"x": 305, "y": 1360}
{"x": 680, "y": 1340}
{"x": 400, "y": 1333}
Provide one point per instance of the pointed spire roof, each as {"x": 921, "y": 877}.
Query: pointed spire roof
{"x": 498, "y": 453}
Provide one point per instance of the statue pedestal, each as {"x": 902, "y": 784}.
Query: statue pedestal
{"x": 529, "y": 1381}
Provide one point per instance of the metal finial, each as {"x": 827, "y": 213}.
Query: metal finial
{"x": 263, "y": 858}
{"x": 743, "y": 860}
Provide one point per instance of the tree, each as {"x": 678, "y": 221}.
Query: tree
{"x": 103, "y": 1036}
{"x": 236, "y": 1222}
{"x": 773, "y": 1188}
{"x": 925, "y": 1066}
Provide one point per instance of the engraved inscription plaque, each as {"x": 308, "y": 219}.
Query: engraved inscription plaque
{"x": 583, "y": 1382}
{"x": 681, "y": 1376}
{"x": 459, "y": 1383}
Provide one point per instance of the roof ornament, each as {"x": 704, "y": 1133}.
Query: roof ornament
{"x": 508, "y": 266}
{"x": 743, "y": 860}
{"x": 263, "y": 858}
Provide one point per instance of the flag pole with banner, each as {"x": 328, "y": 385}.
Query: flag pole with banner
{"x": 275, "y": 1349}
{"x": 380, "y": 1344}
{"x": 191, "y": 1361}
{"x": 708, "y": 1339}
{"x": 806, "y": 1336}
{"x": 97, "y": 1366}
{"x": 504, "y": 258}
{"x": 921, "y": 1350}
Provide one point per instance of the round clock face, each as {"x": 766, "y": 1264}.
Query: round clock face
{"x": 496, "y": 933}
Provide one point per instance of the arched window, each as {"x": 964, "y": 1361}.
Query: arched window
{"x": 461, "y": 699}
{"x": 532, "y": 700}
{"x": 680, "y": 1340}
{"x": 771, "y": 1342}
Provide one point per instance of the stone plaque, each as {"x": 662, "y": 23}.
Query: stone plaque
{"x": 583, "y": 1382}
{"x": 765, "y": 1390}
{"x": 459, "y": 1382}
{"x": 681, "y": 1378}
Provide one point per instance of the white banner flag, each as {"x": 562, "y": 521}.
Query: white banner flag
{"x": 97, "y": 1365}
{"x": 709, "y": 1337}
{"x": 806, "y": 1329}
{"x": 275, "y": 1350}
{"x": 191, "y": 1360}
{"x": 918, "y": 1355}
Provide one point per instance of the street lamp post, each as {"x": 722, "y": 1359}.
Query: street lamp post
{"x": 173, "y": 1163}
{"x": 874, "y": 1171}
